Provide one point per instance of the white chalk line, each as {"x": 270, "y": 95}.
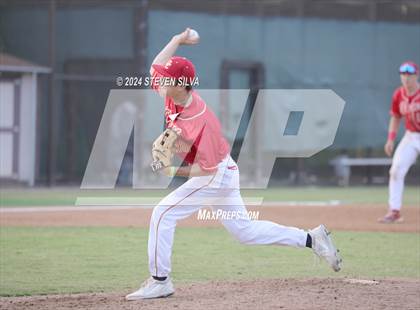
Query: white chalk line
{"x": 93, "y": 205}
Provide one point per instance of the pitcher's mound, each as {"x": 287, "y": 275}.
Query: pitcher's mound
{"x": 337, "y": 293}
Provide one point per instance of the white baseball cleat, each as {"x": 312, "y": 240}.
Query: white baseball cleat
{"x": 152, "y": 288}
{"x": 323, "y": 246}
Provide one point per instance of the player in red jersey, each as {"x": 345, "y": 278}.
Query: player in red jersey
{"x": 213, "y": 179}
{"x": 405, "y": 105}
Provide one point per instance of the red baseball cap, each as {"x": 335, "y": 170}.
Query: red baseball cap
{"x": 177, "y": 67}
{"x": 409, "y": 67}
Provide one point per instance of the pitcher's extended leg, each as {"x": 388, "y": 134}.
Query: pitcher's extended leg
{"x": 249, "y": 231}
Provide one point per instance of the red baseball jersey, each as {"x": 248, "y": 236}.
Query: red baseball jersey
{"x": 407, "y": 107}
{"x": 202, "y": 141}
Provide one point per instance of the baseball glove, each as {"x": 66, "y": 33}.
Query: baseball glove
{"x": 162, "y": 149}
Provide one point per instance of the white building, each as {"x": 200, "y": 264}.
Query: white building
{"x": 18, "y": 123}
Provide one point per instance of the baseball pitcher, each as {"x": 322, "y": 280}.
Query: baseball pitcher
{"x": 194, "y": 134}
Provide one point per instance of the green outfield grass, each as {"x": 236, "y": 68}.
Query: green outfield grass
{"x": 68, "y": 196}
{"x": 70, "y": 260}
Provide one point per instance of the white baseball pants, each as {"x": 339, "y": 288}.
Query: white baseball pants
{"x": 405, "y": 156}
{"x": 220, "y": 191}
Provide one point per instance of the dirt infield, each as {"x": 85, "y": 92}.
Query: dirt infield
{"x": 258, "y": 294}
{"x": 341, "y": 217}
{"x": 338, "y": 293}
